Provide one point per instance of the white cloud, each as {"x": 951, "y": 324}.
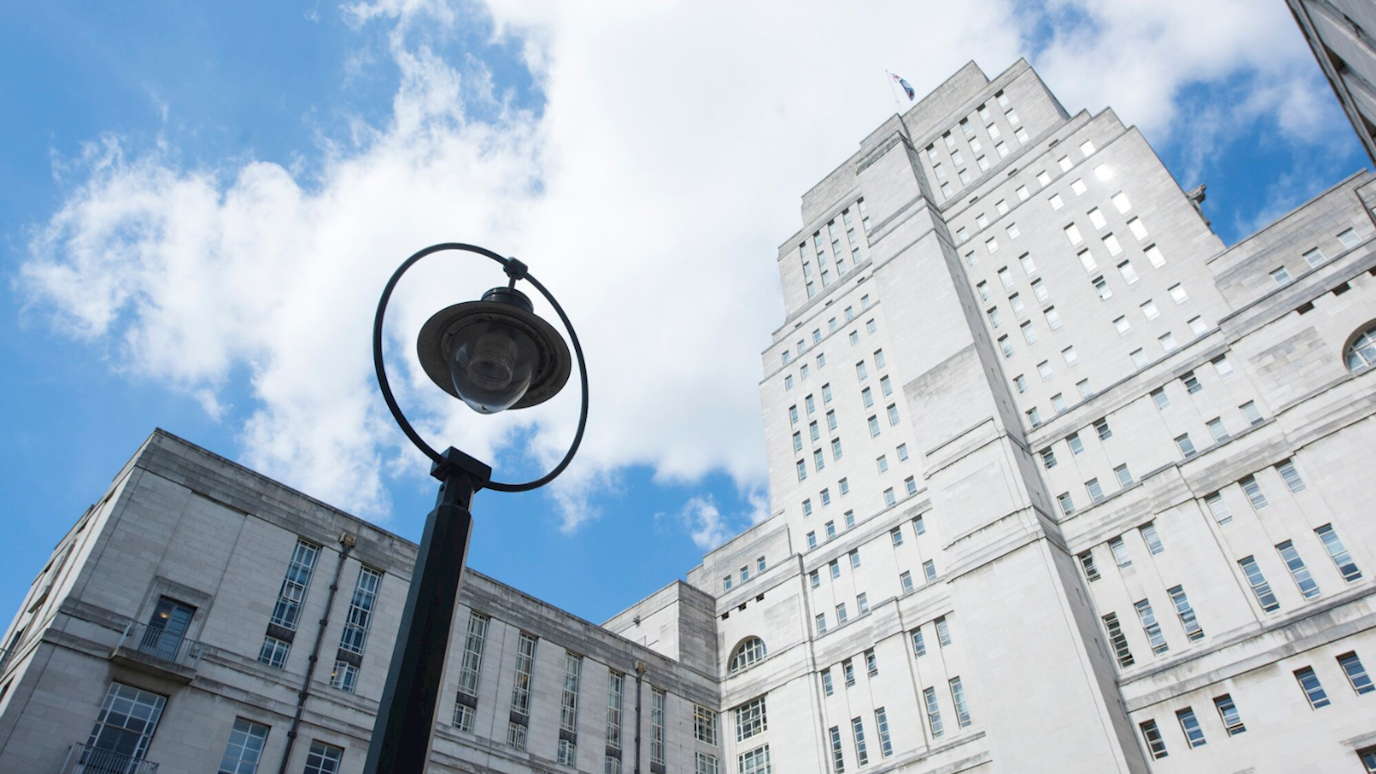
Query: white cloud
{"x": 650, "y": 193}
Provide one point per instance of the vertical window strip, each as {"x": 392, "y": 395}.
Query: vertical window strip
{"x": 1118, "y": 640}
{"x": 1260, "y": 588}
{"x": 657, "y": 701}
{"x": 616, "y": 683}
{"x": 881, "y": 722}
{"x": 1338, "y": 553}
{"x": 1151, "y": 627}
{"x": 862, "y": 755}
{"x": 958, "y": 697}
{"x": 838, "y": 757}
{"x": 355, "y": 634}
{"x": 933, "y": 712}
{"x": 1303, "y": 579}
{"x": 1186, "y": 613}
{"x": 287, "y": 612}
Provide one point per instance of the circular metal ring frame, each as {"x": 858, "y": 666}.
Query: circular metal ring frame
{"x": 386, "y": 387}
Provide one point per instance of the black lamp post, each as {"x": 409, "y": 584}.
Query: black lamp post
{"x": 494, "y": 354}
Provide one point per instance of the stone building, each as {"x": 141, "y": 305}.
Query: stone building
{"x": 1342, "y": 34}
{"x": 1059, "y": 483}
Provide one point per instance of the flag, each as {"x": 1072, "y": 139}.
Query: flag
{"x": 906, "y": 88}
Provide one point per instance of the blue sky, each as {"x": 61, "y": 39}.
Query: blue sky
{"x": 201, "y": 202}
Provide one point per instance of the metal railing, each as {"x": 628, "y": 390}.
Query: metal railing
{"x": 160, "y": 644}
{"x": 85, "y": 759}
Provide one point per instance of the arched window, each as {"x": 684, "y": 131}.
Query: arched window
{"x": 746, "y": 654}
{"x": 1361, "y": 353}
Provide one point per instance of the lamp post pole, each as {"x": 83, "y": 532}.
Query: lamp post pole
{"x": 493, "y": 354}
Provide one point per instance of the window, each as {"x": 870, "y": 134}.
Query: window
{"x": 1039, "y": 288}
{"x": 1281, "y": 276}
{"x": 471, "y": 666}
{"x": 831, "y": 529}
{"x": 1028, "y": 333}
{"x": 919, "y": 646}
{"x": 568, "y": 708}
{"x": 1349, "y": 239}
{"x": 943, "y": 631}
{"x": 705, "y": 764}
{"x": 1019, "y": 308}
{"x": 793, "y": 415}
{"x": 1178, "y": 294}
{"x": 1217, "y": 430}
{"x": 919, "y": 527}
{"x": 958, "y": 697}
{"x": 821, "y": 623}
{"x": 615, "y": 691}
{"x": 1194, "y": 735}
{"x": 797, "y": 442}
{"x": 1162, "y": 400}
{"x": 835, "y": 455}
{"x": 1096, "y": 492}
{"x": 818, "y": 461}
{"x": 1043, "y": 179}
{"x": 992, "y": 244}
{"x": 910, "y": 484}
{"x": 835, "y": 568}
{"x": 1338, "y": 553}
{"x": 657, "y": 702}
{"x": 1254, "y": 493}
{"x": 751, "y": 719}
{"x": 848, "y": 672}
{"x": 1260, "y": 588}
{"x": 520, "y": 691}
{"x": 860, "y": 371}
{"x": 1151, "y": 538}
{"x": 1083, "y": 387}
{"x": 807, "y": 511}
{"x": 1034, "y": 417}
{"x": 831, "y": 420}
{"x": 1067, "y": 505}
{"x": 1120, "y": 552}
{"x": 747, "y": 654}
{"x": 1307, "y": 585}
{"x": 881, "y": 721}
{"x": 1076, "y": 445}
{"x": 1191, "y": 383}
{"x": 274, "y": 652}
{"x": 844, "y": 487}
{"x": 1149, "y": 310}
{"x": 905, "y": 579}
{"x": 1056, "y": 201}
{"x": 1153, "y": 252}
{"x": 1097, "y": 218}
{"x": 1118, "y": 640}
{"x": 1356, "y": 673}
{"x": 1065, "y": 163}
{"x": 1020, "y": 383}
{"x": 1361, "y": 353}
{"x": 1013, "y": 233}
{"x": 323, "y": 758}
{"x": 838, "y": 758}
{"x": 1048, "y": 458}
{"x": 755, "y": 761}
{"x": 1101, "y": 427}
{"x": 292, "y": 595}
{"x": 704, "y": 723}
{"x": 815, "y": 577}
{"x": 929, "y": 571}
{"x": 1291, "y": 476}
{"x": 1186, "y": 613}
{"x": 1227, "y": 712}
{"x": 1185, "y": 445}
{"x": 1000, "y": 147}
{"x": 1120, "y": 200}
{"x": 1313, "y": 690}
{"x": 1072, "y": 232}
{"x": 1140, "y": 359}
{"x": 854, "y": 338}
{"x": 1044, "y": 370}
{"x": 1138, "y": 230}
{"x": 871, "y": 663}
{"x": 245, "y": 748}
{"x": 1053, "y": 318}
{"x": 1087, "y": 563}
{"x": 1198, "y": 327}
{"x": 885, "y": 386}
{"x": 889, "y": 498}
{"x": 1124, "y": 268}
{"x": 802, "y": 470}
{"x": 1101, "y": 287}
{"x": 1168, "y": 344}
{"x": 1251, "y": 413}
{"x": 1022, "y": 193}
{"x": 1156, "y": 745}
{"x": 850, "y": 519}
{"x": 933, "y": 712}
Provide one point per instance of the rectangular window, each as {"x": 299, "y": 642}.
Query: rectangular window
{"x": 1034, "y": 416}
{"x": 933, "y": 712}
{"x": 1151, "y": 538}
{"x": 1096, "y": 492}
{"x": 1178, "y": 294}
{"x": 919, "y": 527}
{"x": 1349, "y": 239}
{"x": 831, "y": 420}
{"x": 1055, "y": 201}
{"x": 1029, "y": 267}
{"x": 1044, "y": 370}
{"x": 1194, "y": 735}
{"x": 862, "y": 755}
{"x": 841, "y": 616}
{"x": 568, "y": 714}
{"x": 1227, "y": 712}
{"x": 1154, "y": 254}
{"x": 1156, "y": 745}
{"x": 1067, "y": 505}
{"x": 838, "y": 759}
{"x": 1151, "y": 627}
{"x": 855, "y": 558}
{"x": 1097, "y": 218}
{"x": 1072, "y": 232}
{"x": 1048, "y": 458}
{"x": 1338, "y": 553}
{"x": 821, "y": 623}
{"x": 1260, "y": 588}
{"x": 943, "y": 631}
{"x": 1186, "y": 613}
{"x": 1118, "y": 640}
{"x": 1087, "y": 563}
{"x": 919, "y": 647}
{"x": 1140, "y": 359}
{"x": 244, "y": 750}
{"x": 827, "y": 687}
{"x": 1079, "y": 186}
{"x": 1162, "y": 400}
{"x": 1028, "y": 333}
{"x": 848, "y": 672}
{"x": 1149, "y": 310}
{"x": 958, "y": 697}
{"x": 525, "y": 666}
{"x": 1167, "y": 341}
{"x": 1292, "y": 477}
{"x": 1077, "y": 446}
{"x": 1356, "y": 673}
{"x": 1281, "y": 276}
{"x": 1070, "y": 357}
{"x": 1185, "y": 445}
{"x": 360, "y": 610}
{"x": 929, "y": 570}
{"x": 1218, "y": 508}
{"x": 1307, "y": 585}
{"x": 704, "y": 724}
{"x": 1124, "y": 481}
{"x": 1313, "y": 690}
{"x": 1198, "y": 327}
{"x": 1020, "y": 383}
{"x": 1254, "y": 493}
{"x": 706, "y": 764}
{"x": 1101, "y": 427}
{"x": 292, "y": 594}
{"x": 274, "y": 652}
{"x": 1053, "y": 318}
{"x": 812, "y": 540}
{"x": 873, "y": 423}
{"x": 885, "y": 386}
{"x": 323, "y": 758}
{"x": 657, "y": 702}
{"x": 905, "y": 579}
{"x": 1252, "y": 414}
{"x": 616, "y": 683}
{"x": 1120, "y": 200}
{"x": 893, "y": 414}
{"x": 889, "y": 498}
{"x": 344, "y": 676}
{"x": 1217, "y": 430}
{"x": 472, "y": 657}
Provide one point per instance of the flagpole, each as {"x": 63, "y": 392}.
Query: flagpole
{"x": 892, "y": 93}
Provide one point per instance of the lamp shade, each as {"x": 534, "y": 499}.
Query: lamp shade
{"x": 494, "y": 354}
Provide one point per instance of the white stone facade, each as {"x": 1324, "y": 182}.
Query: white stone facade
{"x": 1342, "y": 35}
{"x": 1071, "y": 590}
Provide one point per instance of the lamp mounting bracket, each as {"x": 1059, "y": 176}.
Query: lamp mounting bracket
{"x": 515, "y": 270}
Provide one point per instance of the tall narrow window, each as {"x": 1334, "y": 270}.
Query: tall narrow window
{"x": 128, "y": 718}
{"x": 958, "y": 698}
{"x": 1218, "y": 508}
{"x": 1151, "y": 538}
{"x": 1194, "y": 735}
{"x": 1151, "y": 627}
{"x": 1292, "y": 477}
{"x": 470, "y": 669}
{"x": 1338, "y": 553}
{"x": 568, "y": 710}
{"x": 1356, "y": 673}
{"x": 1186, "y": 613}
{"x": 360, "y": 610}
{"x": 933, "y": 712}
{"x": 520, "y": 692}
{"x": 1260, "y": 588}
{"x": 1120, "y": 552}
{"x": 881, "y": 722}
{"x": 1308, "y": 586}
{"x": 616, "y": 685}
{"x": 1118, "y": 640}
{"x": 290, "y": 597}
{"x": 862, "y": 754}
{"x": 1156, "y": 745}
{"x": 751, "y": 719}
{"x": 943, "y": 631}
{"x": 838, "y": 757}
{"x": 1087, "y": 562}
{"x": 919, "y": 646}
{"x": 1313, "y": 690}
{"x": 657, "y": 702}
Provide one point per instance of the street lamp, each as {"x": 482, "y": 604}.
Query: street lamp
{"x": 493, "y": 354}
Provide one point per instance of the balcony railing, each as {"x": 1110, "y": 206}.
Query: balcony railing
{"x": 85, "y": 759}
{"x": 145, "y": 643}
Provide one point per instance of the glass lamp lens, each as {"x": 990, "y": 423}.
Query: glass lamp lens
{"x": 492, "y": 365}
